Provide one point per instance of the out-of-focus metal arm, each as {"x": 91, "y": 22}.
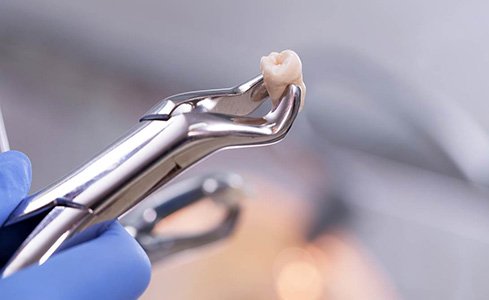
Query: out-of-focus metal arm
{"x": 4, "y": 144}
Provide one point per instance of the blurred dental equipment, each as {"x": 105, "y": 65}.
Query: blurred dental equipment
{"x": 4, "y": 144}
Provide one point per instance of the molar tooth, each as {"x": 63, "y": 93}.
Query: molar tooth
{"x": 280, "y": 70}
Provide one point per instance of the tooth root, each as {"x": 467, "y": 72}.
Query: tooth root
{"x": 279, "y": 70}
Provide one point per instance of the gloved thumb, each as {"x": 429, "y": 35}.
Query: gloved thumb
{"x": 15, "y": 181}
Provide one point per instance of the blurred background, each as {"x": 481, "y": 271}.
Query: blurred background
{"x": 380, "y": 189}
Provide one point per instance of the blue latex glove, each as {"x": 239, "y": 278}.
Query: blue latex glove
{"x": 110, "y": 266}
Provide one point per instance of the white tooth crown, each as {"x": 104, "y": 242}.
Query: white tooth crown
{"x": 279, "y": 70}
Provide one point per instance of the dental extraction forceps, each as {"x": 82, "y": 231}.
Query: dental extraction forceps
{"x": 176, "y": 133}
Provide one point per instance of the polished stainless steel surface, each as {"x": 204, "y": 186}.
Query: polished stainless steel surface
{"x": 237, "y": 101}
{"x": 171, "y": 137}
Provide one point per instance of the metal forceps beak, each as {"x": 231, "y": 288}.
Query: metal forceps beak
{"x": 225, "y": 190}
{"x": 175, "y": 134}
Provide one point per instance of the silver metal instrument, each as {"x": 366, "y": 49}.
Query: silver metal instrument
{"x": 172, "y": 136}
{"x": 224, "y": 189}
{"x": 4, "y": 145}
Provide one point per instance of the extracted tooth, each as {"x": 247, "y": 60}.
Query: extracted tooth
{"x": 279, "y": 70}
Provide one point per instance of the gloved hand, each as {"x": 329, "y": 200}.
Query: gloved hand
{"x": 110, "y": 266}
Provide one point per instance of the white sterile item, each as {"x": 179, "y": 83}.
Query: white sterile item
{"x": 279, "y": 70}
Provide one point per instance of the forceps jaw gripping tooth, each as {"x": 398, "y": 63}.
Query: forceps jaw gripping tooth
{"x": 237, "y": 101}
{"x": 166, "y": 141}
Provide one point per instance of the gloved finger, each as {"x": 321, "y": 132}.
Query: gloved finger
{"x": 112, "y": 266}
{"x": 15, "y": 181}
